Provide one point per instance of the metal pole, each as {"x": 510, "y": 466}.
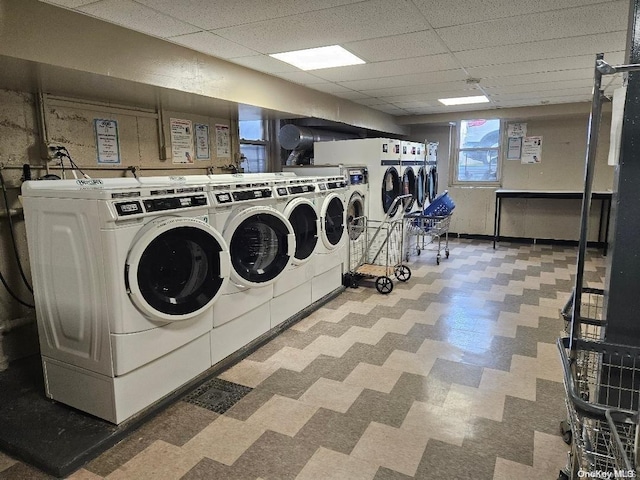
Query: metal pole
{"x": 592, "y": 143}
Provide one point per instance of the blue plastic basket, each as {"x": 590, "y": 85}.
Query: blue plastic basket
{"x": 441, "y": 206}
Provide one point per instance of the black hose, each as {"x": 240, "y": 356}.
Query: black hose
{"x": 11, "y": 231}
{"x": 12, "y": 293}
{"x": 73, "y": 164}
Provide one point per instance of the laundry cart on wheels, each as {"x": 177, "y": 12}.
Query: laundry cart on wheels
{"x": 375, "y": 251}
{"x": 429, "y": 227}
{"x": 601, "y": 376}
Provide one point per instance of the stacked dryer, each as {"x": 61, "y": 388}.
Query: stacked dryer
{"x": 381, "y": 156}
{"x": 262, "y": 245}
{"x": 125, "y": 278}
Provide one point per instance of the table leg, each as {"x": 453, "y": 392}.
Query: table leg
{"x": 496, "y": 222}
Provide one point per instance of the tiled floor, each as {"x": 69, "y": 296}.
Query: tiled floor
{"x": 453, "y": 375}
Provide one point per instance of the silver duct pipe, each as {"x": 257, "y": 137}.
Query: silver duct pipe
{"x": 301, "y": 139}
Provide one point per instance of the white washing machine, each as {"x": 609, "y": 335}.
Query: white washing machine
{"x": 261, "y": 245}
{"x": 292, "y": 291}
{"x": 382, "y": 158}
{"x": 412, "y": 159}
{"x": 432, "y": 169}
{"x": 125, "y": 279}
{"x": 331, "y": 250}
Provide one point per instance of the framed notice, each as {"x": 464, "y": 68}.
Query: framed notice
{"x": 203, "y": 152}
{"x": 223, "y": 141}
{"x": 107, "y": 141}
{"x": 514, "y": 148}
{"x": 181, "y": 140}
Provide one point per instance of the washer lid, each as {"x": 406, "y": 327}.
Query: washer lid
{"x": 176, "y": 268}
{"x": 306, "y": 225}
{"x": 261, "y": 244}
{"x": 333, "y": 221}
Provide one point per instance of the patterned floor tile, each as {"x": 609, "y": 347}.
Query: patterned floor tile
{"x": 331, "y": 395}
{"x": 329, "y": 465}
{"x": 282, "y": 415}
{"x": 373, "y": 377}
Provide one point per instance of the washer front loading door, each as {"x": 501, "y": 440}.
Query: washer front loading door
{"x": 176, "y": 268}
{"x": 390, "y": 190}
{"x": 333, "y": 221}
{"x": 433, "y": 184}
{"x": 421, "y": 187}
{"x": 306, "y": 225}
{"x": 409, "y": 188}
{"x": 355, "y": 214}
{"x": 261, "y": 244}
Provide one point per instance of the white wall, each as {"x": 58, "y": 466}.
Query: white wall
{"x": 562, "y": 168}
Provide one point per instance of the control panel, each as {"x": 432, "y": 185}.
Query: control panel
{"x": 150, "y": 205}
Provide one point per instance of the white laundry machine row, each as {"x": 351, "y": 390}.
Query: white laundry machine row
{"x": 382, "y": 158}
{"x": 292, "y": 292}
{"x": 125, "y": 277}
{"x": 331, "y": 251}
{"x": 262, "y": 245}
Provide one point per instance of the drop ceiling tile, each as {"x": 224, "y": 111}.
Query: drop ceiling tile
{"x": 332, "y": 88}
{"x": 538, "y": 87}
{"x": 407, "y": 66}
{"x": 557, "y": 48}
{"x": 130, "y": 14}
{"x": 391, "y": 109}
{"x": 548, "y": 77}
{"x": 419, "y": 89}
{"x": 264, "y": 63}
{"x": 540, "y": 66}
{"x": 543, "y": 101}
{"x": 443, "y": 13}
{"x": 348, "y": 23}
{"x": 406, "y": 45}
{"x": 433, "y": 96}
{"x": 211, "y": 44}
{"x": 572, "y": 22}
{"x": 405, "y": 80}
{"x": 369, "y": 101}
{"x": 352, "y": 95}
{"x": 210, "y": 15}
{"x": 548, "y": 94}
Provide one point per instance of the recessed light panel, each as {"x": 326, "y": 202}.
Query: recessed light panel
{"x": 321, "y": 57}
{"x": 464, "y": 100}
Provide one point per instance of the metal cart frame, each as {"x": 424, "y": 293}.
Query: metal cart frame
{"x": 602, "y": 380}
{"x": 425, "y": 229}
{"x": 375, "y": 251}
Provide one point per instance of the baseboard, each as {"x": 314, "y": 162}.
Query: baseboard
{"x": 528, "y": 240}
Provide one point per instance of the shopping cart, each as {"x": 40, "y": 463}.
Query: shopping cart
{"x": 375, "y": 251}
{"x": 602, "y": 384}
{"x": 425, "y": 228}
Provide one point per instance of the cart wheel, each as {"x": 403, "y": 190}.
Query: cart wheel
{"x": 418, "y": 251}
{"x": 402, "y": 273}
{"x": 446, "y": 253}
{"x": 438, "y": 257}
{"x": 406, "y": 257}
{"x": 565, "y": 431}
{"x": 384, "y": 285}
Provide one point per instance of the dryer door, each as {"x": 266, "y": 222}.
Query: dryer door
{"x": 432, "y": 188}
{"x": 176, "y": 268}
{"x": 261, "y": 244}
{"x": 355, "y": 214}
{"x": 409, "y": 188}
{"x": 421, "y": 187}
{"x": 333, "y": 221}
{"x": 306, "y": 225}
{"x": 390, "y": 190}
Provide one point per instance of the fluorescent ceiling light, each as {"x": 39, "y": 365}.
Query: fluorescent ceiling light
{"x": 322, "y": 57}
{"x": 464, "y": 100}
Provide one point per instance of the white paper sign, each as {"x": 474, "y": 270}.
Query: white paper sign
{"x": 181, "y": 140}
{"x": 202, "y": 141}
{"x": 532, "y": 150}
{"x": 514, "y": 148}
{"x": 517, "y": 130}
{"x": 223, "y": 141}
{"x": 107, "y": 141}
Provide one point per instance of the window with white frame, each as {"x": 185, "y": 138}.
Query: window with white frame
{"x": 477, "y": 156}
{"x": 253, "y": 145}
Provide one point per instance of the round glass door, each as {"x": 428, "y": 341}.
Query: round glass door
{"x": 304, "y": 220}
{"x": 355, "y": 212}
{"x": 177, "y": 269}
{"x": 333, "y": 221}
{"x": 421, "y": 182}
{"x": 390, "y": 190}
{"x": 408, "y": 188}
{"x": 432, "y": 184}
{"x": 259, "y": 248}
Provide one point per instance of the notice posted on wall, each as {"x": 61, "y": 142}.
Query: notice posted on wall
{"x": 517, "y": 130}
{"x": 107, "y": 141}
{"x": 515, "y": 133}
{"x": 181, "y": 140}
{"x": 223, "y": 141}
{"x": 532, "y": 150}
{"x": 203, "y": 151}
